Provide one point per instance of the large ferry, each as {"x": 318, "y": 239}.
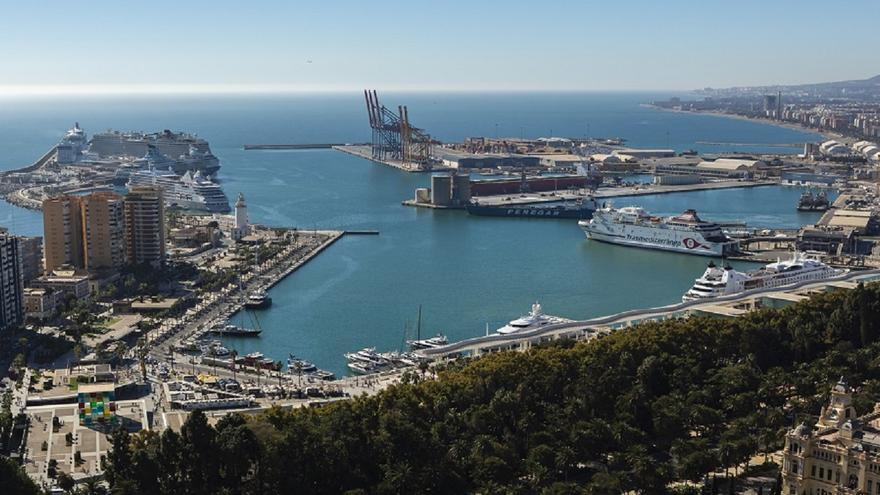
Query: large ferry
{"x": 186, "y": 152}
{"x": 580, "y": 210}
{"x": 717, "y": 282}
{"x": 190, "y": 192}
{"x": 633, "y": 226}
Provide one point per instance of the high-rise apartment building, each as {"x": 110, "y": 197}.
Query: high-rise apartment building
{"x": 103, "y": 231}
{"x": 145, "y": 226}
{"x": 84, "y": 231}
{"x": 11, "y": 288}
{"x": 30, "y": 253}
{"x": 62, "y": 231}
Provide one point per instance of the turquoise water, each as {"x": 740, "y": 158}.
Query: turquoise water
{"x": 464, "y": 271}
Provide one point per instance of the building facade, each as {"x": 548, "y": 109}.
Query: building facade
{"x": 30, "y": 251}
{"x": 839, "y": 455}
{"x": 11, "y": 288}
{"x": 62, "y": 231}
{"x": 84, "y": 232}
{"x": 145, "y": 226}
{"x": 103, "y": 231}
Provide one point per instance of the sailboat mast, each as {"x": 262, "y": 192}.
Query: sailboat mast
{"x": 419, "y": 325}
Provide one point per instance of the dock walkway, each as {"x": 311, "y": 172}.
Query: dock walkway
{"x": 597, "y": 327}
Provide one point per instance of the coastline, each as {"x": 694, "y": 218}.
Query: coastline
{"x": 827, "y": 135}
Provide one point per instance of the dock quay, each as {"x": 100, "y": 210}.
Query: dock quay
{"x": 230, "y": 299}
{"x": 623, "y": 192}
{"x": 314, "y": 146}
{"x": 730, "y": 306}
{"x": 365, "y": 151}
{"x": 607, "y": 193}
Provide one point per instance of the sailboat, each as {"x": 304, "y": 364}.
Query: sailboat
{"x": 239, "y": 330}
{"x": 429, "y": 343}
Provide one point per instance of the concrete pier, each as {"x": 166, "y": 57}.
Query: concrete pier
{"x": 725, "y": 306}
{"x": 612, "y": 192}
{"x": 364, "y": 151}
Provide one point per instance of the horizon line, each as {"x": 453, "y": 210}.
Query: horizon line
{"x": 22, "y": 90}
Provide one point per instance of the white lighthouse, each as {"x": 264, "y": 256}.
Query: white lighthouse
{"x": 241, "y": 228}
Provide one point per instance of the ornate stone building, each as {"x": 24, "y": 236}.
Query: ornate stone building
{"x": 839, "y": 455}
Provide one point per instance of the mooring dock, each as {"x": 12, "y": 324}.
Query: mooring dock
{"x": 308, "y": 146}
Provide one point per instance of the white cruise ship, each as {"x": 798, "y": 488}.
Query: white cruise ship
{"x": 535, "y": 319}
{"x": 184, "y": 151}
{"x": 633, "y": 226}
{"x": 72, "y": 145}
{"x": 190, "y": 192}
{"x": 717, "y": 282}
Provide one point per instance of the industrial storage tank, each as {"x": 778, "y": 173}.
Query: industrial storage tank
{"x": 423, "y": 195}
{"x": 461, "y": 189}
{"x": 441, "y": 190}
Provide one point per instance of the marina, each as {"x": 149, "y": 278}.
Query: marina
{"x": 324, "y": 189}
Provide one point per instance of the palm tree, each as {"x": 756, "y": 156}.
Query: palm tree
{"x": 234, "y": 355}
{"x": 298, "y": 366}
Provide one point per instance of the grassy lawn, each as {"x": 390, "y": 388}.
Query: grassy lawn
{"x": 108, "y": 322}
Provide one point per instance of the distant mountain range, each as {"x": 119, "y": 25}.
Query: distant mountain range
{"x": 838, "y": 88}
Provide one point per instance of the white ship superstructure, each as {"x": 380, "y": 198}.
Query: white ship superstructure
{"x": 190, "y": 192}
{"x": 72, "y": 145}
{"x": 717, "y": 282}
{"x": 184, "y": 151}
{"x": 633, "y": 226}
{"x": 535, "y": 319}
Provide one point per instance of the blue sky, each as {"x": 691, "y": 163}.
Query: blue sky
{"x": 455, "y": 45}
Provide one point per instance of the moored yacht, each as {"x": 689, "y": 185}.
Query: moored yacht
{"x": 535, "y": 319}
{"x": 717, "y": 282}
{"x": 297, "y": 365}
{"x": 429, "y": 343}
{"x": 258, "y": 299}
{"x": 367, "y": 360}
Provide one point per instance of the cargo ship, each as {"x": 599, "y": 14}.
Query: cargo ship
{"x": 717, "y": 282}
{"x": 581, "y": 209}
{"x": 490, "y": 187}
{"x": 633, "y": 226}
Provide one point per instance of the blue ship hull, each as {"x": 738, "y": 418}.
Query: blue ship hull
{"x": 531, "y": 211}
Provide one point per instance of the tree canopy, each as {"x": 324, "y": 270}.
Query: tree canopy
{"x": 633, "y": 411}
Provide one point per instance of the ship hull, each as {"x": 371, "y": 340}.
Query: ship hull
{"x": 265, "y": 303}
{"x": 686, "y": 245}
{"x": 530, "y": 212}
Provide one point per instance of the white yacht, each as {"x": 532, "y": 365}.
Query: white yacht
{"x": 535, "y": 319}
{"x": 429, "y": 343}
{"x": 633, "y": 226}
{"x": 717, "y": 282}
{"x": 366, "y": 360}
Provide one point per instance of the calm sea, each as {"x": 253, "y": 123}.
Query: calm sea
{"x": 464, "y": 271}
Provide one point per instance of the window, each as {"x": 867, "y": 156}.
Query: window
{"x": 813, "y": 471}
{"x": 821, "y": 472}
{"x": 870, "y": 486}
